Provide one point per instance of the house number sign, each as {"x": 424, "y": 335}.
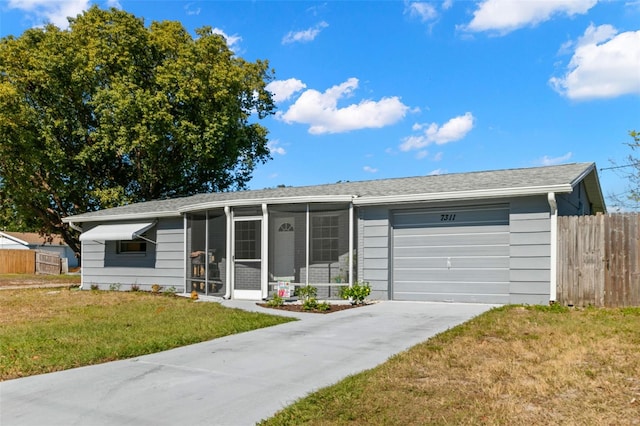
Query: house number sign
{"x": 450, "y": 217}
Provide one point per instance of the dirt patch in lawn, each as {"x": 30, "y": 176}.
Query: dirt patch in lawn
{"x": 18, "y": 281}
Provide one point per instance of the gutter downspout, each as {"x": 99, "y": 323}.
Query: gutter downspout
{"x": 553, "y": 279}
{"x": 227, "y": 213}
{"x": 79, "y": 229}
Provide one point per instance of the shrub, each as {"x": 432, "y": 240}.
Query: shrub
{"x": 135, "y": 287}
{"x": 310, "y": 304}
{"x": 114, "y": 287}
{"x": 194, "y": 295}
{"x": 156, "y": 288}
{"x": 357, "y": 292}
{"x": 275, "y": 301}
{"x": 95, "y": 287}
{"x": 306, "y": 292}
{"x": 323, "y": 306}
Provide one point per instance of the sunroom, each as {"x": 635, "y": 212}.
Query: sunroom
{"x": 253, "y": 251}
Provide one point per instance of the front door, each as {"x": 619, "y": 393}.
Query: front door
{"x": 283, "y": 255}
{"x": 247, "y": 258}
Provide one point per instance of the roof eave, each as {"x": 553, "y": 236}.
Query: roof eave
{"x": 126, "y": 216}
{"x": 269, "y": 201}
{"x": 464, "y": 195}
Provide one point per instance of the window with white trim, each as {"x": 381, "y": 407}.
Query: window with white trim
{"x": 324, "y": 238}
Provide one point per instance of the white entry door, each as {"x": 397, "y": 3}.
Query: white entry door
{"x": 247, "y": 258}
{"x": 283, "y": 256}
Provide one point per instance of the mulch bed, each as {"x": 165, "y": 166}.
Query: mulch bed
{"x": 297, "y": 307}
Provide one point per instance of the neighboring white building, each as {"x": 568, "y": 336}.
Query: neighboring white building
{"x": 35, "y": 241}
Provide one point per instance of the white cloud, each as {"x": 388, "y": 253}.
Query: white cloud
{"x": 604, "y": 65}
{"x": 321, "y": 112}
{"x": 453, "y": 130}
{"x": 304, "y": 36}
{"x": 369, "y": 169}
{"x": 191, "y": 10}
{"x": 438, "y": 156}
{"x": 505, "y": 16}
{"x": 275, "y": 149}
{"x": 284, "y": 89}
{"x": 550, "y": 161}
{"x": 47, "y": 11}
{"x": 233, "y": 41}
{"x": 422, "y": 154}
{"x": 437, "y": 172}
{"x": 423, "y": 11}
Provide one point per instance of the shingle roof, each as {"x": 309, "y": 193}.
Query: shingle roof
{"x": 34, "y": 238}
{"x": 524, "y": 181}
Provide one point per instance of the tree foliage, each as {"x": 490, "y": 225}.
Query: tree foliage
{"x": 630, "y": 171}
{"x": 110, "y": 112}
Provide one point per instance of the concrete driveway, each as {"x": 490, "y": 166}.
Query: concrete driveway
{"x": 234, "y": 380}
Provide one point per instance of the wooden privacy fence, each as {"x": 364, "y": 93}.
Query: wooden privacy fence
{"x": 599, "y": 260}
{"x": 29, "y": 262}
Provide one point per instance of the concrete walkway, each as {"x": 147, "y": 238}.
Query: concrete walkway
{"x": 234, "y": 380}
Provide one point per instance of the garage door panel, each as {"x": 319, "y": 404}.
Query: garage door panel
{"x": 451, "y": 251}
{"x": 451, "y": 230}
{"x": 453, "y": 275}
{"x": 451, "y": 217}
{"x": 451, "y": 240}
{"x": 455, "y": 263}
{"x": 502, "y": 299}
{"x": 454, "y": 287}
{"x": 459, "y": 254}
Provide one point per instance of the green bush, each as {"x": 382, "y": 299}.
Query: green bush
{"x": 306, "y": 292}
{"x": 356, "y": 293}
{"x": 275, "y": 301}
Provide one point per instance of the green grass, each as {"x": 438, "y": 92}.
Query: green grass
{"x": 510, "y": 366}
{"x": 43, "y": 330}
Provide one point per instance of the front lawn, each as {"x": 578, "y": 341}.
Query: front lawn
{"x": 509, "y": 366}
{"x": 44, "y": 330}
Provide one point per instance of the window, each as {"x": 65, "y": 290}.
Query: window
{"x": 247, "y": 239}
{"x": 135, "y": 246}
{"x": 324, "y": 239}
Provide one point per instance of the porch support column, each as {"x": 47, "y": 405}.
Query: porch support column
{"x": 264, "y": 264}
{"x": 185, "y": 251}
{"x": 308, "y": 242}
{"x": 553, "y": 279}
{"x": 350, "y": 243}
{"x": 228, "y": 263}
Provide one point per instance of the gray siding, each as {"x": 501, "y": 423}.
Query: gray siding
{"x": 166, "y": 269}
{"x": 530, "y": 245}
{"x": 576, "y": 203}
{"x": 373, "y": 257}
{"x": 529, "y": 260}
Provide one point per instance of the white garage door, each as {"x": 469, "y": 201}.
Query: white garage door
{"x": 455, "y": 255}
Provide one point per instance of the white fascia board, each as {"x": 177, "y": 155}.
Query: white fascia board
{"x": 12, "y": 238}
{"x": 267, "y": 201}
{"x": 111, "y": 218}
{"x": 463, "y": 195}
{"x": 583, "y": 175}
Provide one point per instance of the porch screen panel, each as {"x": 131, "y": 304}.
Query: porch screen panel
{"x": 216, "y": 254}
{"x": 196, "y": 252}
{"x": 328, "y": 244}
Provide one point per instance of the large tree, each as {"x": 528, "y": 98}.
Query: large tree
{"x": 109, "y": 112}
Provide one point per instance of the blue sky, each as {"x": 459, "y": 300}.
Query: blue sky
{"x": 381, "y": 89}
